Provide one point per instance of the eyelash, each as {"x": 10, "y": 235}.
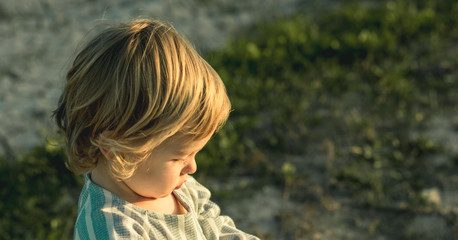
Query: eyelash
{"x": 183, "y": 159}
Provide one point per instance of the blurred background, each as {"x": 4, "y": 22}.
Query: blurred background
{"x": 345, "y": 121}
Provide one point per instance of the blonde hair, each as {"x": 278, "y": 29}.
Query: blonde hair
{"x": 132, "y": 87}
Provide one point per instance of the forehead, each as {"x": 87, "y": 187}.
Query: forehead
{"x": 180, "y": 144}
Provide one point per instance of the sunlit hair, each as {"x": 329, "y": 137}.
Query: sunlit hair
{"x": 132, "y": 87}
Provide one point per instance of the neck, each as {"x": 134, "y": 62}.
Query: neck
{"x": 102, "y": 176}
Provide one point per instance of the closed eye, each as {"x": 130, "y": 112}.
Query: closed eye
{"x": 179, "y": 159}
{"x": 185, "y": 157}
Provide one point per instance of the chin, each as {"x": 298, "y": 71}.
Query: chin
{"x": 164, "y": 195}
{"x": 152, "y": 196}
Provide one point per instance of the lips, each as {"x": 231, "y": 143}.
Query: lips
{"x": 181, "y": 184}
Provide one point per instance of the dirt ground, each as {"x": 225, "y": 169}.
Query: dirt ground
{"x": 38, "y": 39}
{"x": 316, "y": 212}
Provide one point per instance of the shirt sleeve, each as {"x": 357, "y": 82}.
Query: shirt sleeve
{"x": 214, "y": 225}
{"x": 101, "y": 217}
{"x": 107, "y": 225}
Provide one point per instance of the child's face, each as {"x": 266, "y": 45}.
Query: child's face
{"x": 166, "y": 169}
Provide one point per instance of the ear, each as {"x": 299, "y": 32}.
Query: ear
{"x": 106, "y": 152}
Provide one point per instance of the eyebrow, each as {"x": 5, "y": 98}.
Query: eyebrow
{"x": 187, "y": 151}
{"x": 180, "y": 152}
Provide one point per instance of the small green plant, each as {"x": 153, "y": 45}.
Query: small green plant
{"x": 38, "y": 196}
{"x": 289, "y": 175}
{"x": 367, "y": 78}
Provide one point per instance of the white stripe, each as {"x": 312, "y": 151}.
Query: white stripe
{"x": 90, "y": 228}
{"x": 127, "y": 221}
{"x": 197, "y": 226}
{"x": 153, "y": 232}
{"x": 108, "y": 214}
{"x": 145, "y": 235}
{"x": 213, "y": 226}
{"x": 129, "y": 212}
{"x": 165, "y": 226}
{"x": 146, "y": 224}
{"x": 86, "y": 186}
{"x": 181, "y": 227}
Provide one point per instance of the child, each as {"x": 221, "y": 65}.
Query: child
{"x": 139, "y": 103}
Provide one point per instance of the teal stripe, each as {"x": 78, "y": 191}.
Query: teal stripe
{"x": 99, "y": 226}
{"x": 103, "y": 215}
{"x": 88, "y": 219}
{"x": 108, "y": 216}
{"x": 81, "y": 227}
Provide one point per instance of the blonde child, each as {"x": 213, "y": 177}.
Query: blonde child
{"x": 138, "y": 105}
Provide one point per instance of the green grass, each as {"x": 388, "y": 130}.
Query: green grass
{"x": 39, "y": 196}
{"x": 357, "y": 85}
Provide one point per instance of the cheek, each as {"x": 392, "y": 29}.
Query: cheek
{"x": 175, "y": 170}
{"x": 160, "y": 176}
{"x": 167, "y": 173}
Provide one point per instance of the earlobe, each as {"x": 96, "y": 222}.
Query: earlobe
{"x": 102, "y": 139}
{"x": 105, "y": 152}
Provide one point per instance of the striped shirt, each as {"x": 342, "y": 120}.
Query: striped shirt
{"x": 103, "y": 215}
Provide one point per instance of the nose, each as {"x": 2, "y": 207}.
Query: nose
{"x": 191, "y": 167}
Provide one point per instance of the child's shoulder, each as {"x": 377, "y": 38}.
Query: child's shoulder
{"x": 103, "y": 215}
{"x": 96, "y": 201}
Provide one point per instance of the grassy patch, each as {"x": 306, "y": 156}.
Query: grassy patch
{"x": 356, "y": 86}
